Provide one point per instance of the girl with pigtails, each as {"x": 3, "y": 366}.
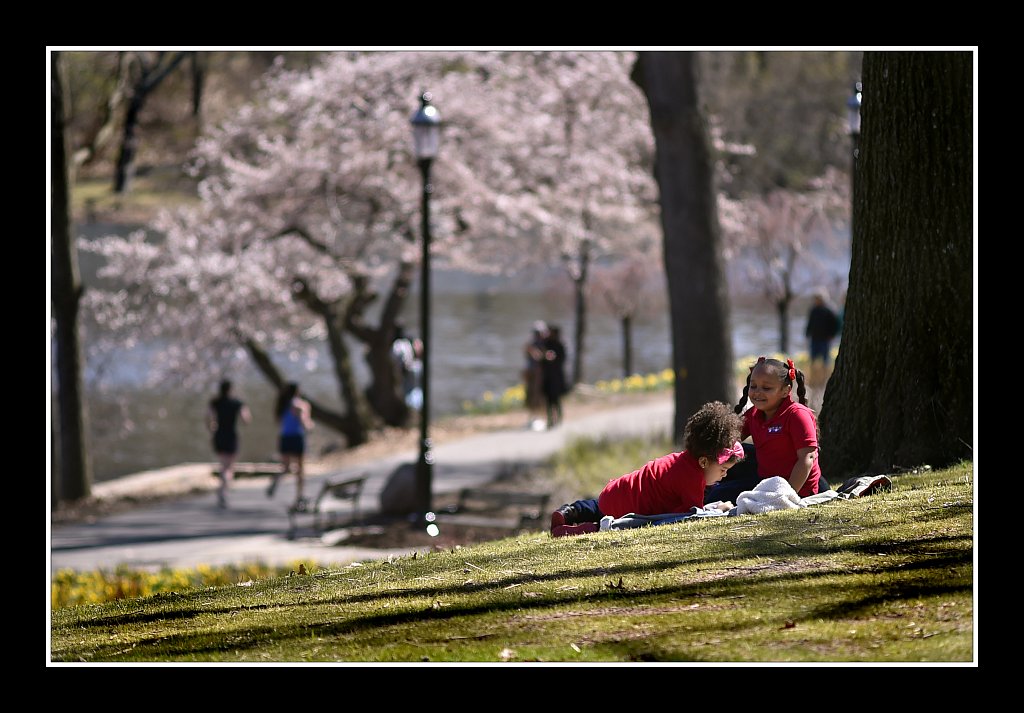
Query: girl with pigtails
{"x": 784, "y": 434}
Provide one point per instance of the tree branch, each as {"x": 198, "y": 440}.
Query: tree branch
{"x": 105, "y": 134}
{"x": 152, "y": 76}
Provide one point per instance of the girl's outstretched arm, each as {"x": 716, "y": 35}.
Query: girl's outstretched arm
{"x": 804, "y": 461}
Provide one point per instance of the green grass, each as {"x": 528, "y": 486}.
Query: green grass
{"x": 886, "y": 578}
{"x": 586, "y": 465}
{"x": 158, "y": 188}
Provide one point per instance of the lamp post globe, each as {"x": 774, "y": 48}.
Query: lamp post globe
{"x": 853, "y": 108}
{"x": 426, "y": 137}
{"x": 853, "y": 117}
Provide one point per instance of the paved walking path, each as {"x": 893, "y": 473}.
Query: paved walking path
{"x": 192, "y": 530}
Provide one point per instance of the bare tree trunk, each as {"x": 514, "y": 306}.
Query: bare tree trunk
{"x": 124, "y": 170}
{"x": 149, "y": 78}
{"x": 76, "y": 469}
{"x": 199, "y": 68}
{"x": 698, "y": 299}
{"x": 627, "y": 346}
{"x": 580, "y": 289}
{"x": 786, "y": 300}
{"x": 902, "y": 391}
{"x": 782, "y": 309}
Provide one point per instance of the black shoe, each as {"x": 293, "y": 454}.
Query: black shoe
{"x": 565, "y": 515}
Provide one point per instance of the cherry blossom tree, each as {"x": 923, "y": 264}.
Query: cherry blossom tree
{"x": 628, "y": 290}
{"x": 789, "y": 237}
{"x": 309, "y": 202}
{"x": 591, "y": 154}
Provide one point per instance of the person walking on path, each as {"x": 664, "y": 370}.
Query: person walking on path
{"x": 222, "y": 418}
{"x": 533, "y": 376}
{"x": 295, "y": 418}
{"x": 553, "y": 374}
{"x": 822, "y": 328}
{"x": 407, "y": 355}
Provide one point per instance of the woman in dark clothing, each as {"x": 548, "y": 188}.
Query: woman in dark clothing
{"x": 222, "y": 419}
{"x": 553, "y": 373}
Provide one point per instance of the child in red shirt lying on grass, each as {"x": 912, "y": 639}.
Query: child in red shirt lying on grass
{"x": 673, "y": 483}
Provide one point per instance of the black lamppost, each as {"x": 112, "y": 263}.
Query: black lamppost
{"x": 853, "y": 111}
{"x": 426, "y": 135}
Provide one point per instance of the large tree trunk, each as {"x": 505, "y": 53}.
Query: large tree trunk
{"x": 76, "y": 470}
{"x": 356, "y": 420}
{"x": 54, "y": 454}
{"x": 698, "y": 298}
{"x": 384, "y": 393}
{"x": 902, "y": 393}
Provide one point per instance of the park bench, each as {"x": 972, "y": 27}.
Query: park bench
{"x": 337, "y": 496}
{"x": 500, "y": 509}
{"x": 245, "y": 470}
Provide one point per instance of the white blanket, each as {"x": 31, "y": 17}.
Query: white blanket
{"x": 770, "y": 494}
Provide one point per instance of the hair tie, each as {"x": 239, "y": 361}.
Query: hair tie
{"x": 792, "y": 370}
{"x": 761, "y": 360}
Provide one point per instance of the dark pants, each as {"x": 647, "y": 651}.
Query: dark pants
{"x": 742, "y": 476}
{"x": 820, "y": 350}
{"x": 586, "y": 511}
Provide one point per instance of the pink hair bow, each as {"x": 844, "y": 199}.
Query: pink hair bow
{"x": 733, "y": 451}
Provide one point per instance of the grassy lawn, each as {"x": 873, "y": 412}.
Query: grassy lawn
{"x": 153, "y": 189}
{"x": 885, "y": 578}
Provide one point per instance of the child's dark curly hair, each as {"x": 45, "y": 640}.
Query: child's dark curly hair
{"x": 712, "y": 429}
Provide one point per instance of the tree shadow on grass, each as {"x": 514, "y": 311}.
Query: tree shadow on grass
{"x": 923, "y": 578}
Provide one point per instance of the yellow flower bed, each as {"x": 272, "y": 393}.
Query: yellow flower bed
{"x": 69, "y": 588}
{"x": 515, "y": 396}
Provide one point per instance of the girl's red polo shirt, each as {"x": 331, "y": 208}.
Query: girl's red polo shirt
{"x": 776, "y": 441}
{"x": 671, "y": 483}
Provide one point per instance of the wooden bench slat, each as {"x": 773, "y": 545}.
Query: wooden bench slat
{"x": 479, "y": 507}
{"x": 504, "y": 497}
{"x": 332, "y": 492}
{"x": 246, "y": 469}
{"x": 476, "y": 520}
